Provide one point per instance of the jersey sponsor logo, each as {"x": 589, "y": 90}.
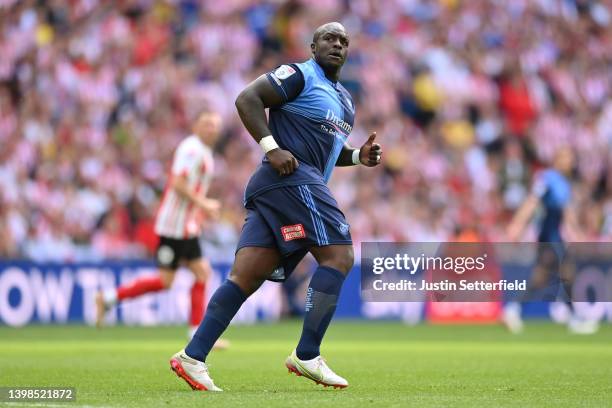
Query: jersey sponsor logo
{"x": 284, "y": 72}
{"x": 291, "y": 232}
{"x": 337, "y": 121}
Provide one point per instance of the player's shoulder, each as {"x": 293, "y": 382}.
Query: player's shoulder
{"x": 191, "y": 145}
{"x": 544, "y": 174}
{"x": 552, "y": 176}
{"x": 540, "y": 182}
{"x": 305, "y": 69}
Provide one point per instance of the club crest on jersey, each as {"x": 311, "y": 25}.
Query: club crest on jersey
{"x": 343, "y": 228}
{"x": 284, "y": 72}
{"x": 291, "y": 232}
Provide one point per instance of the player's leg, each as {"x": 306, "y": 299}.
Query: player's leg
{"x": 251, "y": 268}
{"x": 201, "y": 269}
{"x": 576, "y": 324}
{"x": 335, "y": 261}
{"x": 142, "y": 285}
{"x": 167, "y": 255}
{"x": 192, "y": 257}
{"x": 546, "y": 261}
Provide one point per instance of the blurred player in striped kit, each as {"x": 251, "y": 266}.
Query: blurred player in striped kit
{"x": 553, "y": 190}
{"x": 178, "y": 223}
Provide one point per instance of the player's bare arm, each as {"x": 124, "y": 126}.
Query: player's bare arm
{"x": 181, "y": 186}
{"x": 572, "y": 225}
{"x": 522, "y": 217}
{"x": 251, "y": 105}
{"x": 369, "y": 154}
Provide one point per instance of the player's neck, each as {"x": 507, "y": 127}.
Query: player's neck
{"x": 333, "y": 76}
{"x": 331, "y": 73}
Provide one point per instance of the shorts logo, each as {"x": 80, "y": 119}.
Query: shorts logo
{"x": 165, "y": 255}
{"x": 278, "y": 273}
{"x": 291, "y": 232}
{"x": 284, "y": 72}
{"x": 344, "y": 228}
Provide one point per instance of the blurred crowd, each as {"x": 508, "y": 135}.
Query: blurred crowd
{"x": 469, "y": 99}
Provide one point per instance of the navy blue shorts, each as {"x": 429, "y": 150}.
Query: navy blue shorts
{"x": 293, "y": 219}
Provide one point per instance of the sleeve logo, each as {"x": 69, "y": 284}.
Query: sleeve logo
{"x": 284, "y": 72}
{"x": 291, "y": 232}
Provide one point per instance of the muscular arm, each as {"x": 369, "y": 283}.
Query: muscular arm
{"x": 251, "y": 105}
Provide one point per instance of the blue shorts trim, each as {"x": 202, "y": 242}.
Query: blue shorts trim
{"x": 314, "y": 215}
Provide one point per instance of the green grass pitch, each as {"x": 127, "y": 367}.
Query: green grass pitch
{"x": 387, "y": 364}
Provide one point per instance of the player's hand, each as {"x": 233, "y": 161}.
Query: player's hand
{"x": 211, "y": 207}
{"x": 282, "y": 161}
{"x": 370, "y": 154}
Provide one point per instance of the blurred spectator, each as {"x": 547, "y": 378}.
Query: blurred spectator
{"x": 469, "y": 99}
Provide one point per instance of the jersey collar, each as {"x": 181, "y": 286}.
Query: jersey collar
{"x": 321, "y": 73}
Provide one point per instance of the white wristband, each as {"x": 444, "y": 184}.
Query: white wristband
{"x": 268, "y": 143}
{"x": 356, "y": 157}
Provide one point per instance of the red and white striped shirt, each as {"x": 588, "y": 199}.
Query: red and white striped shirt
{"x": 178, "y": 217}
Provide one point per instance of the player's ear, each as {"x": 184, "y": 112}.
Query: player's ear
{"x": 312, "y": 48}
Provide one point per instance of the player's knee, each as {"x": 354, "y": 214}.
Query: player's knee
{"x": 341, "y": 259}
{"x": 201, "y": 271}
{"x": 167, "y": 278}
{"x": 248, "y": 285}
{"x": 247, "y": 280}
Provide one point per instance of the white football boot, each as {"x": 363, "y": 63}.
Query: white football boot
{"x": 511, "y": 317}
{"x": 194, "y": 372}
{"x": 315, "y": 370}
{"x": 577, "y": 325}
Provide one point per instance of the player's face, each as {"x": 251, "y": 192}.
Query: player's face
{"x": 331, "y": 47}
{"x": 208, "y": 128}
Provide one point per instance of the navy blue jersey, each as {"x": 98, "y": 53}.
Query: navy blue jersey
{"x": 554, "y": 190}
{"x": 313, "y": 122}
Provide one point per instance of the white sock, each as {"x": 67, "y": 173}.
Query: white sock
{"x": 110, "y": 297}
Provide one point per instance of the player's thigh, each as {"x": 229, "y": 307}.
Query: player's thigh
{"x": 200, "y": 267}
{"x": 167, "y": 257}
{"x": 252, "y": 266}
{"x": 339, "y": 257}
{"x": 190, "y": 255}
